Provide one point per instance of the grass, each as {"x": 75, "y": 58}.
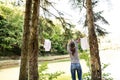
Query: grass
{"x": 63, "y": 77}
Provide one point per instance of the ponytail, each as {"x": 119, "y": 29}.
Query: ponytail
{"x": 72, "y": 47}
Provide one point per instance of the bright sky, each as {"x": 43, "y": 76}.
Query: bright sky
{"x": 111, "y": 13}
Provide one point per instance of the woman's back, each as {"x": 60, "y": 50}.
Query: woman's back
{"x": 72, "y": 49}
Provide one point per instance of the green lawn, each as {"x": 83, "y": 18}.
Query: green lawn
{"x": 64, "y": 77}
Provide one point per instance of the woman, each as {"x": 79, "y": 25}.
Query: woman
{"x": 72, "y": 48}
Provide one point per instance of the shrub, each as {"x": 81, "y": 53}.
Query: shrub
{"x": 47, "y": 76}
{"x": 87, "y": 76}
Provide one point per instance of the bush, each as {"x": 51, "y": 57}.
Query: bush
{"x": 105, "y": 76}
{"x": 47, "y": 76}
{"x": 87, "y": 76}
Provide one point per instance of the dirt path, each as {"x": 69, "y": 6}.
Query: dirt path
{"x": 9, "y": 74}
{"x": 9, "y": 62}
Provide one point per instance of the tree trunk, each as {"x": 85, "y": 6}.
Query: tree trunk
{"x": 94, "y": 51}
{"x": 23, "y": 75}
{"x": 33, "y": 43}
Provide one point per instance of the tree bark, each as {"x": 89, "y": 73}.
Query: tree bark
{"x": 94, "y": 51}
{"x": 33, "y": 43}
{"x": 23, "y": 75}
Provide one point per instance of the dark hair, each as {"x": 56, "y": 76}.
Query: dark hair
{"x": 72, "y": 47}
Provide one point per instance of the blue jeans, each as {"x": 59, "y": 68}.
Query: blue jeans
{"x": 76, "y": 67}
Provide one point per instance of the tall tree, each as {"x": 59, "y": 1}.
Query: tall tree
{"x": 100, "y": 31}
{"x": 94, "y": 51}
{"x": 33, "y": 42}
{"x": 24, "y": 53}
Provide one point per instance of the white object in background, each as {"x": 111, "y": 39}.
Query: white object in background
{"x": 84, "y": 43}
{"x": 47, "y": 45}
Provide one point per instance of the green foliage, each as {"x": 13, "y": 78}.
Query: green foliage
{"x": 64, "y": 77}
{"x": 105, "y": 76}
{"x": 11, "y": 23}
{"x": 58, "y": 44}
{"x": 54, "y": 32}
{"x": 58, "y": 34}
{"x": 87, "y": 76}
{"x": 10, "y": 29}
{"x": 47, "y": 76}
{"x": 85, "y": 55}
